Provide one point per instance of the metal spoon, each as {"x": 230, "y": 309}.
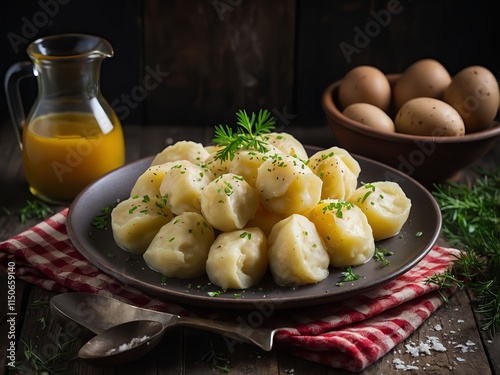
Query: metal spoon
{"x": 87, "y": 314}
{"x": 123, "y": 343}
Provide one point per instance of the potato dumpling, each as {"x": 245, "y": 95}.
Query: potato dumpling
{"x": 346, "y": 232}
{"x": 180, "y": 248}
{"x": 338, "y": 170}
{"x": 286, "y": 185}
{"x": 429, "y": 116}
{"x": 182, "y": 186}
{"x": 297, "y": 255}
{"x": 287, "y": 144}
{"x": 265, "y": 220}
{"x": 318, "y": 157}
{"x": 216, "y": 165}
{"x": 385, "y": 205}
{"x": 182, "y": 150}
{"x": 148, "y": 183}
{"x": 237, "y": 259}
{"x": 136, "y": 220}
{"x": 229, "y": 202}
{"x": 247, "y": 162}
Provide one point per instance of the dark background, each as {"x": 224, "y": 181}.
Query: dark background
{"x": 226, "y": 55}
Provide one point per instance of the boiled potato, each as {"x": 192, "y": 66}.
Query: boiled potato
{"x": 297, "y": 255}
{"x": 385, "y": 205}
{"x": 180, "y": 248}
{"x": 229, "y": 202}
{"x": 345, "y": 231}
{"x": 474, "y": 93}
{"x": 370, "y": 115}
{"x": 429, "y": 116}
{"x": 136, "y": 220}
{"x": 237, "y": 259}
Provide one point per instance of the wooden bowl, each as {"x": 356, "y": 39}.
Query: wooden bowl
{"x": 427, "y": 159}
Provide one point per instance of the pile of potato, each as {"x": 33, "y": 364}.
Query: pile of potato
{"x": 426, "y": 99}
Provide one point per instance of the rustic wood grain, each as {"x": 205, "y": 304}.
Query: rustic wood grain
{"x": 218, "y": 60}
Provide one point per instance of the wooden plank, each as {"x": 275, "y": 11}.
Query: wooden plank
{"x": 218, "y": 60}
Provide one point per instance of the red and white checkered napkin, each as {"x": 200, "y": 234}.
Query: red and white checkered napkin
{"x": 351, "y": 335}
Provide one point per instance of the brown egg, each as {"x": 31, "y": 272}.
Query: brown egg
{"x": 424, "y": 78}
{"x": 365, "y": 84}
{"x": 429, "y": 116}
{"x": 474, "y": 93}
{"x": 370, "y": 115}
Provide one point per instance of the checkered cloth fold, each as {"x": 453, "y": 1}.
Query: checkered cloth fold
{"x": 350, "y": 336}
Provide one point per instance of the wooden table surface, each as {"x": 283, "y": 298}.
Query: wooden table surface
{"x": 182, "y": 351}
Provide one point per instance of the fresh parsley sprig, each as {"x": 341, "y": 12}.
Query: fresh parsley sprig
{"x": 249, "y": 134}
{"x": 34, "y": 209}
{"x": 471, "y": 221}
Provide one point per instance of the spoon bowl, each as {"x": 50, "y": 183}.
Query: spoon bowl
{"x": 122, "y": 343}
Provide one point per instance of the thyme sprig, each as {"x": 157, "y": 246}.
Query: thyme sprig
{"x": 471, "y": 221}
{"x": 218, "y": 360}
{"x": 249, "y": 134}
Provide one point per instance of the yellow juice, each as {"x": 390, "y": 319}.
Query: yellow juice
{"x": 64, "y": 152}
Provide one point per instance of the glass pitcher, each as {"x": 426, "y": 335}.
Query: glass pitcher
{"x": 71, "y": 136}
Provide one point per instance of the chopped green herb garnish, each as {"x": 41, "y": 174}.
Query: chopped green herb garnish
{"x": 100, "y": 221}
{"x": 380, "y": 254}
{"x": 216, "y": 293}
{"x": 348, "y": 275}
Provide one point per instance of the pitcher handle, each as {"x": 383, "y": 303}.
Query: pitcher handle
{"x": 14, "y": 74}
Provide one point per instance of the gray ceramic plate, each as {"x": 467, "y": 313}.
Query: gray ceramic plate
{"x": 415, "y": 240}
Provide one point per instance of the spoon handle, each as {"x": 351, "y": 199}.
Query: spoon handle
{"x": 260, "y": 336}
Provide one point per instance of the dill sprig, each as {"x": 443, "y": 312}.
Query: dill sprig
{"x": 249, "y": 134}
{"x": 471, "y": 221}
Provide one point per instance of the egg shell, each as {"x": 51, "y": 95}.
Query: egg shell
{"x": 370, "y": 115}
{"x": 424, "y": 78}
{"x": 474, "y": 93}
{"x": 429, "y": 117}
{"x": 365, "y": 84}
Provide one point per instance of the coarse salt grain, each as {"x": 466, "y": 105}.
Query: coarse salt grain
{"x": 129, "y": 345}
{"x": 400, "y": 365}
